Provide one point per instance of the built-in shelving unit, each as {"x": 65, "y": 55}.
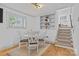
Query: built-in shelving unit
{"x": 47, "y": 22}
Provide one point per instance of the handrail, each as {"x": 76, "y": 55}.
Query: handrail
{"x": 71, "y": 22}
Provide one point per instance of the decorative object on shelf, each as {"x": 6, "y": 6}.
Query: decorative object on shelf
{"x": 47, "y": 22}
{"x": 15, "y": 20}
{"x": 37, "y": 5}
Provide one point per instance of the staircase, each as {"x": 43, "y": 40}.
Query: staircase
{"x": 64, "y": 37}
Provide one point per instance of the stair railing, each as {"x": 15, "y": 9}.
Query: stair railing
{"x": 71, "y": 22}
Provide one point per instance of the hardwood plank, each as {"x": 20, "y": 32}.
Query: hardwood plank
{"x": 7, "y": 50}
{"x": 58, "y": 51}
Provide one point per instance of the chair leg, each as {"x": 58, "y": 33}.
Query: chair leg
{"x": 44, "y": 43}
{"x": 37, "y": 49}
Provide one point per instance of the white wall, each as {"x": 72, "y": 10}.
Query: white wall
{"x": 10, "y": 36}
{"x": 75, "y": 18}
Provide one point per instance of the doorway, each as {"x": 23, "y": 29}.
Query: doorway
{"x": 64, "y": 17}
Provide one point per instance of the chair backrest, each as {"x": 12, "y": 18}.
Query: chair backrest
{"x": 24, "y": 36}
{"x": 33, "y": 38}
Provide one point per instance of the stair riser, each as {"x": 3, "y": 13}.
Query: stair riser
{"x": 64, "y": 37}
{"x": 62, "y": 34}
{"x": 66, "y": 41}
{"x": 65, "y": 44}
{"x": 64, "y": 30}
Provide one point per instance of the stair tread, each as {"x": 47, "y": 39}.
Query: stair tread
{"x": 65, "y": 40}
{"x": 63, "y": 44}
{"x": 64, "y": 37}
{"x": 64, "y": 33}
{"x": 64, "y": 28}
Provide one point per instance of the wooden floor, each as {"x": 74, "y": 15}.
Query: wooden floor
{"x": 50, "y": 51}
{"x": 58, "y": 51}
{"x": 22, "y": 51}
{"x": 5, "y": 52}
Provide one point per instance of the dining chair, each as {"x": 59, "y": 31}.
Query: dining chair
{"x": 23, "y": 40}
{"x": 42, "y": 39}
{"x": 32, "y": 44}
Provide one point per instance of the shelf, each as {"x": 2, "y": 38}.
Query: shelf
{"x": 50, "y": 19}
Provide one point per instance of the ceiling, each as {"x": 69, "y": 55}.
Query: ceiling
{"x": 48, "y": 8}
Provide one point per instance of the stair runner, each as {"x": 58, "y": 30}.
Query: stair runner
{"x": 64, "y": 37}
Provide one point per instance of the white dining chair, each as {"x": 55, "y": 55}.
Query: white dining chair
{"x": 32, "y": 43}
{"x": 23, "y": 40}
{"x": 42, "y": 39}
